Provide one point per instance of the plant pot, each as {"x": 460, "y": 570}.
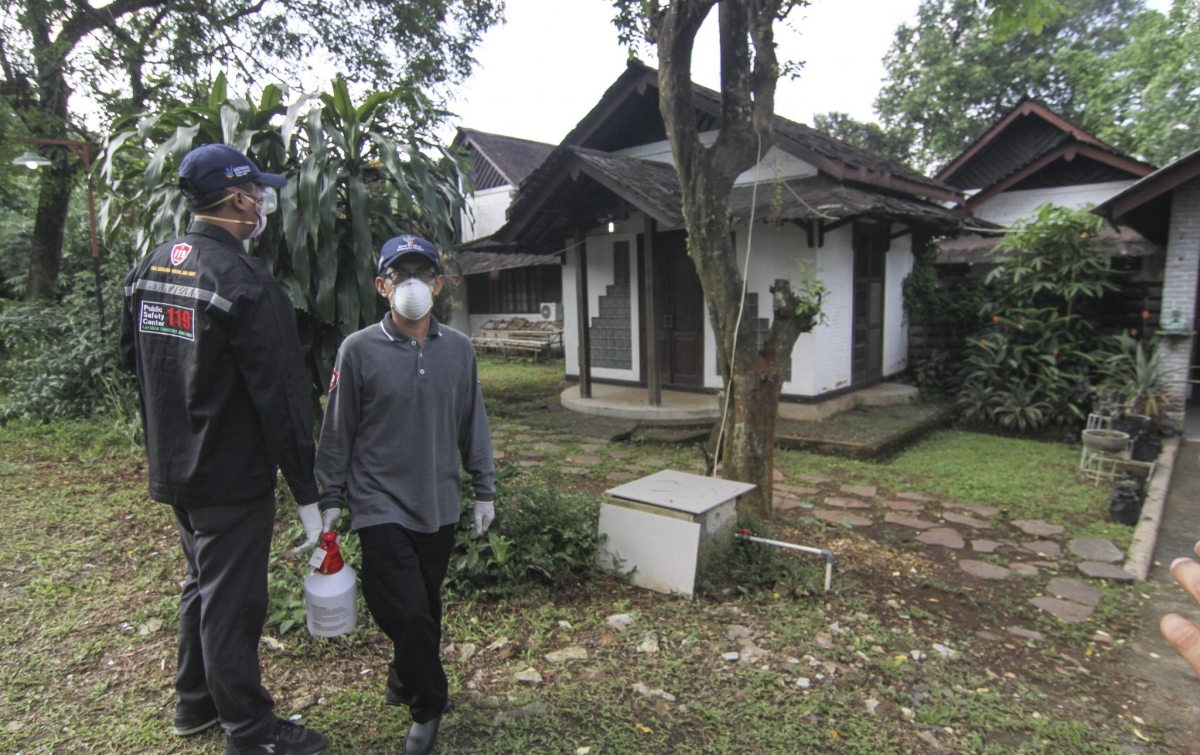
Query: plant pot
{"x": 1133, "y": 424}
{"x": 1106, "y": 441}
{"x": 1125, "y": 506}
{"x": 1147, "y": 448}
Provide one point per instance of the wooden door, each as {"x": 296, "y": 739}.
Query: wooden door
{"x": 870, "y": 243}
{"x": 679, "y": 300}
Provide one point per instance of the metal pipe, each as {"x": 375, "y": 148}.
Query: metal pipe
{"x": 745, "y": 535}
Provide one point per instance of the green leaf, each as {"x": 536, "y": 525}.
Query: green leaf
{"x": 216, "y": 94}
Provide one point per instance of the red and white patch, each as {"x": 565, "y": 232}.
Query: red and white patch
{"x": 179, "y": 253}
{"x": 333, "y": 381}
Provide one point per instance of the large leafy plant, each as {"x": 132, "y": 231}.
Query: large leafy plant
{"x": 1031, "y": 364}
{"x": 360, "y": 173}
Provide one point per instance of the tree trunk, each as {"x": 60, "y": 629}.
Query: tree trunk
{"x": 706, "y": 178}
{"x": 45, "y": 254}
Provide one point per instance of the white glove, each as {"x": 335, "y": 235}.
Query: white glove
{"x": 329, "y": 518}
{"x": 310, "y": 517}
{"x": 485, "y": 512}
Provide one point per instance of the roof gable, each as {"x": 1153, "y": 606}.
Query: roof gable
{"x": 1034, "y": 147}
{"x": 627, "y": 115}
{"x": 510, "y": 160}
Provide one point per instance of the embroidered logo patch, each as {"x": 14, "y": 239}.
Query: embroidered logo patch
{"x": 333, "y": 381}
{"x": 179, "y": 253}
{"x": 167, "y": 320}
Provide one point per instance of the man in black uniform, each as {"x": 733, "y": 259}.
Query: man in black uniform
{"x": 225, "y": 400}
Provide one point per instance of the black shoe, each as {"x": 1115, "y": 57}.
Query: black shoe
{"x": 286, "y": 739}
{"x": 185, "y": 726}
{"x": 421, "y": 737}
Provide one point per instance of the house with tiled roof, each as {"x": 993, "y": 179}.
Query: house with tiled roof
{"x": 607, "y": 198}
{"x": 499, "y": 287}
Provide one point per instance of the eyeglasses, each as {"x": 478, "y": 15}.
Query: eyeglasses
{"x": 399, "y": 276}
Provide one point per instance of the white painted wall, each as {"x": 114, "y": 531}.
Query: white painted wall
{"x": 1009, "y": 206}
{"x": 895, "y": 324}
{"x": 600, "y": 277}
{"x": 834, "y": 341}
{"x": 488, "y": 206}
{"x": 776, "y": 163}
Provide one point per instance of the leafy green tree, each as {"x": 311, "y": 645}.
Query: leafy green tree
{"x": 895, "y": 143}
{"x": 953, "y": 74}
{"x": 1031, "y": 364}
{"x": 131, "y": 53}
{"x": 358, "y": 178}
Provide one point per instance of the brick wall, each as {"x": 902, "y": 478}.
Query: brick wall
{"x": 1179, "y": 289}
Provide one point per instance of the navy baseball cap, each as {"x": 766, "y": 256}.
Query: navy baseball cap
{"x": 212, "y": 167}
{"x": 394, "y": 249}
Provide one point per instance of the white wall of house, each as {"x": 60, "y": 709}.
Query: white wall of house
{"x": 834, "y": 341}
{"x": 776, "y": 163}
{"x": 895, "y": 321}
{"x": 488, "y": 207}
{"x": 1009, "y": 206}
{"x": 599, "y": 277}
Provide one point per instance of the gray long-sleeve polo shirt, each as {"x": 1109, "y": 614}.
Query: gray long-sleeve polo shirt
{"x": 400, "y": 416}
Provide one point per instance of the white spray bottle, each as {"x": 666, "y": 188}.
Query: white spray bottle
{"x": 329, "y": 591}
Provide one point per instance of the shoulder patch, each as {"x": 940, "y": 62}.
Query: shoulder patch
{"x": 179, "y": 253}
{"x": 333, "y": 381}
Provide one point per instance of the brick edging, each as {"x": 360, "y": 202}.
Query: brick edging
{"x": 1141, "y": 551}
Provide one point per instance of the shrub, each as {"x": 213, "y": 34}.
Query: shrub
{"x": 542, "y": 534}
{"x": 59, "y": 361}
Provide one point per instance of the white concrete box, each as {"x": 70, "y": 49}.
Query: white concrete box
{"x": 668, "y": 527}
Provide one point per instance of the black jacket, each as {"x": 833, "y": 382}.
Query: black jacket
{"x": 225, "y": 395}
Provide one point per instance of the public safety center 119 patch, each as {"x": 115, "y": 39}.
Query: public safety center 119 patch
{"x": 167, "y": 320}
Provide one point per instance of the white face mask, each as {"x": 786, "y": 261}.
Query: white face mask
{"x": 412, "y": 298}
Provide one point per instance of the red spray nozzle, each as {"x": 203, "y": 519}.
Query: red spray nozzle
{"x": 333, "y": 555}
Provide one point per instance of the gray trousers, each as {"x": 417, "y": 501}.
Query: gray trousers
{"x": 221, "y": 616}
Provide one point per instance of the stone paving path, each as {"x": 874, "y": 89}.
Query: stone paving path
{"x": 1019, "y": 549}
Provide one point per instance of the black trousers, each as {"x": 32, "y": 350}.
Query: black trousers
{"x": 221, "y": 616}
{"x": 402, "y": 578}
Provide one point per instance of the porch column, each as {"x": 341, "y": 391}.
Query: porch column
{"x": 581, "y": 306}
{"x": 1179, "y": 292}
{"x": 653, "y": 377}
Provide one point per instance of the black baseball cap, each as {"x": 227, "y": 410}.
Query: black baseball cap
{"x": 212, "y": 167}
{"x": 395, "y": 248}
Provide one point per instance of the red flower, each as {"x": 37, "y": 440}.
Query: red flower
{"x": 1145, "y": 314}
{"x": 1056, "y": 352}
{"x": 983, "y": 341}
{"x": 996, "y": 318}
{"x": 1133, "y": 332}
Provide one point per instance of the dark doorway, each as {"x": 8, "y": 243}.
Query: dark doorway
{"x": 679, "y": 300}
{"x": 871, "y": 241}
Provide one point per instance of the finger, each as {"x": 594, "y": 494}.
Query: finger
{"x": 304, "y": 546}
{"x": 1187, "y": 573}
{"x": 1184, "y": 636}
{"x": 1196, "y": 548}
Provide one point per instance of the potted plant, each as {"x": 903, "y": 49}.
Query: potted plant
{"x": 1125, "y": 507}
{"x": 1133, "y": 370}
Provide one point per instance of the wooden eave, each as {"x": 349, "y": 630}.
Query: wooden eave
{"x": 1150, "y": 188}
{"x": 1025, "y": 107}
{"x": 1068, "y": 151}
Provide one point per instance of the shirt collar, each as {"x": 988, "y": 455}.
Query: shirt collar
{"x": 395, "y": 334}
{"x": 213, "y": 231}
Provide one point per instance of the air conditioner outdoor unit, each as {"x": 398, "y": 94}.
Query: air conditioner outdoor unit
{"x": 551, "y": 311}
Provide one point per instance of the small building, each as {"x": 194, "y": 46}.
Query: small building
{"x": 500, "y": 286}
{"x": 1031, "y": 157}
{"x": 608, "y": 199}
{"x": 1164, "y": 207}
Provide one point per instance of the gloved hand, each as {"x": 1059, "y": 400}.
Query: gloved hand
{"x": 485, "y": 512}
{"x": 310, "y": 517}
{"x": 329, "y": 519}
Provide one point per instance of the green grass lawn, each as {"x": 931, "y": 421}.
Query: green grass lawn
{"x": 90, "y": 577}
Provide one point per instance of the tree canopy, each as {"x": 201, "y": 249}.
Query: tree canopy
{"x": 1126, "y": 74}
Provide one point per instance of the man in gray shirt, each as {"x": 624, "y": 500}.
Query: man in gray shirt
{"x": 404, "y": 406}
